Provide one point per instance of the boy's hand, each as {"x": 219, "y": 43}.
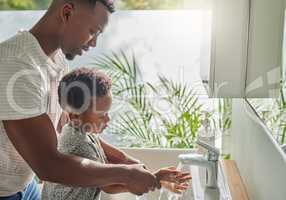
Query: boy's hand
{"x": 171, "y": 174}
{"x": 174, "y": 187}
{"x": 173, "y": 180}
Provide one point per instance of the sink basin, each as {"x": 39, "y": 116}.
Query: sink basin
{"x": 197, "y": 189}
{"x": 157, "y": 195}
{"x": 195, "y": 192}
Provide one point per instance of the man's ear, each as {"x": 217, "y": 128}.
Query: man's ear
{"x": 67, "y": 11}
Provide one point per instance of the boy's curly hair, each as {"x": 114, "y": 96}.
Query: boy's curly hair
{"x": 78, "y": 87}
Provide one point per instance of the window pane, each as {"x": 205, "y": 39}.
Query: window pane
{"x": 119, "y": 4}
{"x": 273, "y": 111}
{"x": 177, "y": 48}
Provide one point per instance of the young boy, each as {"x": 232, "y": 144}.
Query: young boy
{"x": 85, "y": 94}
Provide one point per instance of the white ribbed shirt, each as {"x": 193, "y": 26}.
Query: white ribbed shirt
{"x": 28, "y": 88}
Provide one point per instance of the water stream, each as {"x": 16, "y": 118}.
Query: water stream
{"x": 168, "y": 195}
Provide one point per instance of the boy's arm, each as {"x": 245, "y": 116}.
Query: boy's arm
{"x": 35, "y": 140}
{"x": 117, "y": 156}
{"x": 62, "y": 121}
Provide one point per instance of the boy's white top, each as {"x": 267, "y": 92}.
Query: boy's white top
{"x": 75, "y": 142}
{"x": 28, "y": 88}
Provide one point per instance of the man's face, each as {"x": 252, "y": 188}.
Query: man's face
{"x": 82, "y": 25}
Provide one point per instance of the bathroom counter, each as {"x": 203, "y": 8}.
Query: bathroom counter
{"x": 235, "y": 183}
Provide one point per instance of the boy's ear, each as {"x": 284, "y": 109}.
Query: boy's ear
{"x": 73, "y": 116}
{"x": 75, "y": 119}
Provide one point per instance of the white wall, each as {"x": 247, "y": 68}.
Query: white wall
{"x": 229, "y": 48}
{"x": 261, "y": 162}
{"x": 246, "y": 53}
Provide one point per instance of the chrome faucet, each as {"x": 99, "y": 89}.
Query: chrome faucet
{"x": 210, "y": 162}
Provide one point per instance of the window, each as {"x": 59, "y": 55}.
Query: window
{"x": 177, "y": 48}
{"x": 173, "y": 43}
{"x": 272, "y": 111}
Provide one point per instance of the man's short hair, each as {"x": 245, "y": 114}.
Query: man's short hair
{"x": 109, "y": 4}
{"x": 80, "y": 85}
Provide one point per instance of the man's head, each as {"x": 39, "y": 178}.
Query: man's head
{"x": 85, "y": 94}
{"x": 81, "y": 23}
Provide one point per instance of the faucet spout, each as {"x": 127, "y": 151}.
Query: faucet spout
{"x": 201, "y": 161}
{"x": 210, "y": 163}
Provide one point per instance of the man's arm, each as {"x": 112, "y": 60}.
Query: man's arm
{"x": 114, "y": 189}
{"x": 35, "y": 139}
{"x": 116, "y": 156}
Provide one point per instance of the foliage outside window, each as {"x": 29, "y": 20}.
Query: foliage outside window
{"x": 24, "y": 4}
{"x": 273, "y": 113}
{"x": 120, "y": 4}
{"x": 142, "y": 122}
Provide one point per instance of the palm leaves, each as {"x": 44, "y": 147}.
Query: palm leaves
{"x": 129, "y": 88}
{"x": 125, "y": 73}
{"x": 140, "y": 119}
{"x": 182, "y": 125}
{"x": 273, "y": 113}
{"x": 283, "y": 106}
{"x": 224, "y": 112}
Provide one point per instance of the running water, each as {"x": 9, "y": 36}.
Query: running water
{"x": 142, "y": 197}
{"x": 168, "y": 195}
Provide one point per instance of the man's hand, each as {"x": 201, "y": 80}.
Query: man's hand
{"x": 141, "y": 180}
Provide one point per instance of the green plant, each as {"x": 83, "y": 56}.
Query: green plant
{"x": 17, "y": 4}
{"x": 182, "y": 125}
{"x": 140, "y": 119}
{"x": 224, "y": 114}
{"x": 120, "y": 4}
{"x": 273, "y": 113}
{"x": 150, "y": 4}
{"x": 282, "y": 107}
{"x": 227, "y": 157}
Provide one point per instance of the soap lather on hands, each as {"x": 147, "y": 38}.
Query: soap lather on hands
{"x": 169, "y": 178}
{"x": 173, "y": 180}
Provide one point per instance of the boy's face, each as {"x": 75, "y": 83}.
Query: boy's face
{"x": 96, "y": 118}
{"x": 82, "y": 25}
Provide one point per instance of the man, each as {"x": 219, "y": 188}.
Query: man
{"x": 31, "y": 64}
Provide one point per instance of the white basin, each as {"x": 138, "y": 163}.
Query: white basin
{"x": 155, "y": 159}
{"x": 195, "y": 192}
